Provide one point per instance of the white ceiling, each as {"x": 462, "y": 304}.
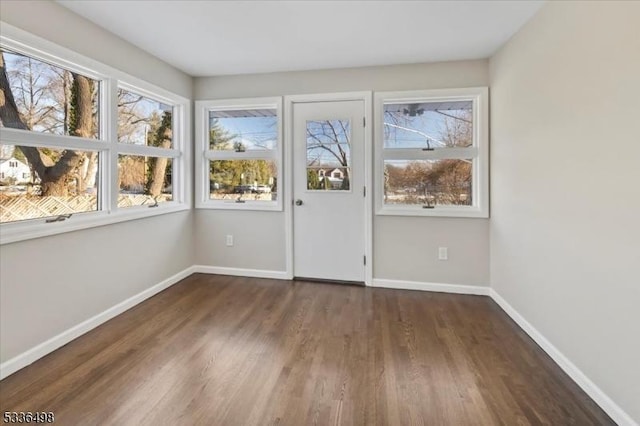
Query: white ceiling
{"x": 206, "y": 38}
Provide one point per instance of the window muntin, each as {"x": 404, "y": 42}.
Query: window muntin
{"x": 25, "y": 195}
{"x": 241, "y": 164}
{"x": 101, "y": 144}
{"x": 432, "y": 153}
{"x": 143, "y": 120}
{"x": 50, "y": 99}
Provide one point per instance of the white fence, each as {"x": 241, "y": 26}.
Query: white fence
{"x": 22, "y": 207}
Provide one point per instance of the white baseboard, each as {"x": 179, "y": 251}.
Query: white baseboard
{"x": 241, "y": 272}
{"x": 437, "y": 287}
{"x": 16, "y": 363}
{"x": 608, "y": 406}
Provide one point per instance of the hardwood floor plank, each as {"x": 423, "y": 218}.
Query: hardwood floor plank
{"x": 216, "y": 350}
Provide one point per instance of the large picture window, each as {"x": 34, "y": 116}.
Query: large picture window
{"x": 240, "y": 167}
{"x": 82, "y": 144}
{"x": 431, "y": 153}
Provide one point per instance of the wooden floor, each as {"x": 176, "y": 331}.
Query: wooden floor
{"x": 216, "y": 350}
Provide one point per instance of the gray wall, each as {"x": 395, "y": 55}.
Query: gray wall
{"x": 565, "y": 195}
{"x": 405, "y": 248}
{"x": 50, "y": 284}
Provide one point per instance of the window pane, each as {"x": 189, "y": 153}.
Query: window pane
{"x": 328, "y": 155}
{"x": 44, "y": 182}
{"x": 428, "y": 125}
{"x": 243, "y": 130}
{"x": 144, "y": 180}
{"x": 428, "y": 182}
{"x": 144, "y": 121}
{"x": 49, "y": 99}
{"x": 243, "y": 180}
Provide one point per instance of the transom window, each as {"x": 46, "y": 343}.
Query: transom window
{"x": 431, "y": 153}
{"x": 241, "y": 163}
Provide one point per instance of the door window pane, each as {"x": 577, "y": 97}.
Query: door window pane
{"x": 50, "y": 99}
{"x": 31, "y": 188}
{"x": 243, "y": 180}
{"x": 328, "y": 155}
{"x": 144, "y": 180}
{"x": 428, "y": 125}
{"x": 243, "y": 130}
{"x": 144, "y": 121}
{"x": 428, "y": 182}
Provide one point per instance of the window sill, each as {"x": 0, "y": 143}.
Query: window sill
{"x": 248, "y": 205}
{"x": 461, "y": 212}
{"x": 38, "y": 228}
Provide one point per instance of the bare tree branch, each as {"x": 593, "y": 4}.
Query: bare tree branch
{"x": 453, "y": 116}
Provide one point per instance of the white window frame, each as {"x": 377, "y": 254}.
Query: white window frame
{"x": 204, "y": 154}
{"x": 479, "y": 151}
{"x": 107, "y": 145}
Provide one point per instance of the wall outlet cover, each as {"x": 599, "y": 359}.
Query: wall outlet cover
{"x": 443, "y": 253}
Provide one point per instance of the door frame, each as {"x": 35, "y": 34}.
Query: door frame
{"x": 289, "y": 101}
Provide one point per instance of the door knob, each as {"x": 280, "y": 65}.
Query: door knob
{"x": 298, "y": 202}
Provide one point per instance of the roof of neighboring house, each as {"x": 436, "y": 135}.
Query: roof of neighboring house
{"x": 14, "y": 159}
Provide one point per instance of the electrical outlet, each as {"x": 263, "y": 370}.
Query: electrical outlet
{"x": 229, "y": 240}
{"x": 443, "y": 253}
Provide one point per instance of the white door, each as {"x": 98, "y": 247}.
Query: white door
{"x": 328, "y": 190}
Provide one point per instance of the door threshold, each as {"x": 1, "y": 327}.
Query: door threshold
{"x": 329, "y": 281}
